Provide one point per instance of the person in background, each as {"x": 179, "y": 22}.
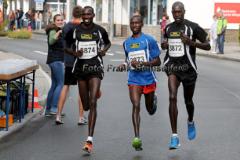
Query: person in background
{"x": 1, "y": 16}
{"x": 19, "y": 19}
{"x": 213, "y": 35}
{"x": 11, "y": 18}
{"x": 38, "y": 18}
{"x": 164, "y": 22}
{"x": 55, "y": 62}
{"x": 69, "y": 78}
{"x": 221, "y": 29}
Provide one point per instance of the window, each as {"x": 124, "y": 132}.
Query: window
{"x": 98, "y": 11}
{"x": 151, "y": 10}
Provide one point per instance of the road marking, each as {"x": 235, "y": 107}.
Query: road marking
{"x": 117, "y": 60}
{"x": 40, "y": 52}
{"x": 119, "y": 52}
{"x": 110, "y": 54}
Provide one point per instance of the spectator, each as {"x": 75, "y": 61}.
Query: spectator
{"x": 55, "y": 62}
{"x": 38, "y": 18}
{"x": 164, "y": 22}
{"x": 1, "y": 16}
{"x": 213, "y": 34}
{"x": 11, "y": 18}
{"x": 221, "y": 29}
{"x": 19, "y": 19}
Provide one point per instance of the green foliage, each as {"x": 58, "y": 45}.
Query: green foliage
{"x": 5, "y": 5}
{"x": 3, "y": 33}
{"x": 2, "y": 29}
{"x": 20, "y": 34}
{"x": 3, "y": 25}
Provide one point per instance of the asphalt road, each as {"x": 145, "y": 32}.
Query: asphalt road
{"x": 217, "y": 99}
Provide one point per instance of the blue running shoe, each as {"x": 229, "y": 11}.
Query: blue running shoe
{"x": 191, "y": 131}
{"x": 174, "y": 144}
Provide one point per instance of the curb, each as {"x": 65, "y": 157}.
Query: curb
{"x": 218, "y": 57}
{"x": 17, "y": 125}
{"x": 40, "y": 33}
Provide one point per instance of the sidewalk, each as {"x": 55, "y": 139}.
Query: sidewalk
{"x": 42, "y": 83}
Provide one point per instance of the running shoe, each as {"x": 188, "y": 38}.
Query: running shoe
{"x": 137, "y": 144}
{"x": 82, "y": 121}
{"x": 47, "y": 113}
{"x": 154, "y": 107}
{"x": 191, "y": 130}
{"x": 174, "y": 143}
{"x": 88, "y": 146}
{"x": 59, "y": 122}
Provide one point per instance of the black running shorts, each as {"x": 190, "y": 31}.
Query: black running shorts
{"x": 69, "y": 77}
{"x": 85, "y": 69}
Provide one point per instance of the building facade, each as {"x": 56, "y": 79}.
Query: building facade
{"x": 114, "y": 15}
{"x": 152, "y": 11}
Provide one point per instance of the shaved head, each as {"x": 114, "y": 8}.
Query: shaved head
{"x": 138, "y": 17}
{"x": 178, "y": 4}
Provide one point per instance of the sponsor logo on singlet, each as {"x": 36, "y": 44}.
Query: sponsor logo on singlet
{"x": 175, "y": 34}
{"x": 135, "y": 45}
{"x": 86, "y": 36}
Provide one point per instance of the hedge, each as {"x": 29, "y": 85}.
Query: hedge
{"x": 20, "y": 34}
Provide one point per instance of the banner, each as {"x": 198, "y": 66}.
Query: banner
{"x": 230, "y": 10}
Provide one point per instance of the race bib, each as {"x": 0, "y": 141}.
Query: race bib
{"x": 89, "y": 49}
{"x": 175, "y": 48}
{"x": 139, "y": 56}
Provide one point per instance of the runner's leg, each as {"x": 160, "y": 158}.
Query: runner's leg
{"x": 135, "y": 93}
{"x": 94, "y": 86}
{"x": 173, "y": 85}
{"x": 188, "y": 97}
{"x": 84, "y": 93}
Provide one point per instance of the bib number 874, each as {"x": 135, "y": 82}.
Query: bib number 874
{"x": 88, "y": 50}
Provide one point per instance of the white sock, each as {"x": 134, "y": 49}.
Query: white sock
{"x": 89, "y": 138}
{"x": 58, "y": 117}
{"x": 190, "y": 122}
{"x": 175, "y": 135}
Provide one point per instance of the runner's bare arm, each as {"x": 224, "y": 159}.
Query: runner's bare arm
{"x": 104, "y": 50}
{"x": 70, "y": 51}
{"x": 155, "y": 62}
{"x": 186, "y": 40}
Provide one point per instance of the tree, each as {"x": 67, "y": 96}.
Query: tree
{"x": 5, "y": 5}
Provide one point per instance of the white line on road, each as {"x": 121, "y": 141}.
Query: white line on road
{"x": 117, "y": 60}
{"x": 40, "y": 52}
{"x": 110, "y": 54}
{"x": 119, "y": 52}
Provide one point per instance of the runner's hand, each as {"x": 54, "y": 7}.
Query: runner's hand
{"x": 58, "y": 34}
{"x": 122, "y": 67}
{"x": 79, "y": 53}
{"x": 186, "y": 40}
{"x": 164, "y": 44}
{"x": 102, "y": 53}
{"x": 135, "y": 64}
